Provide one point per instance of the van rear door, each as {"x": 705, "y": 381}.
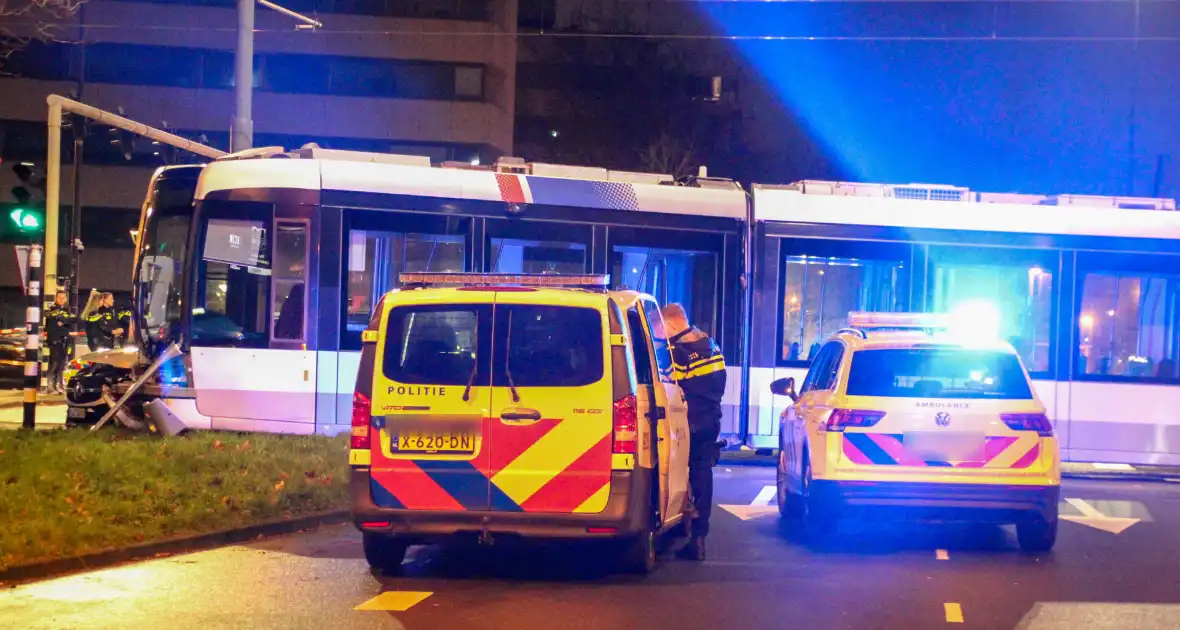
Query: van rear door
{"x": 551, "y": 426}
{"x": 431, "y": 401}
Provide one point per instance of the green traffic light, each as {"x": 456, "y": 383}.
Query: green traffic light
{"x": 25, "y": 220}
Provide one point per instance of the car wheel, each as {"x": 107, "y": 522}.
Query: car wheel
{"x": 817, "y": 518}
{"x": 788, "y": 503}
{"x": 1038, "y": 533}
{"x": 639, "y": 555}
{"x": 384, "y": 553}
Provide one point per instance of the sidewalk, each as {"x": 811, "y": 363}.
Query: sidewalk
{"x": 13, "y": 398}
{"x": 746, "y": 456}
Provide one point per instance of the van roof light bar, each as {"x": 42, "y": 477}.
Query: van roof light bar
{"x": 581, "y": 281}
{"x": 897, "y": 321}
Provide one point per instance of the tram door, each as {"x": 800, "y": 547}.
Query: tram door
{"x": 253, "y": 358}
{"x": 687, "y": 270}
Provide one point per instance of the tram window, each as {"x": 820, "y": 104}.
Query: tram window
{"x": 510, "y": 255}
{"x": 1022, "y": 292}
{"x": 1129, "y": 325}
{"x": 375, "y": 260}
{"x": 290, "y": 280}
{"x": 686, "y": 277}
{"x": 233, "y": 282}
{"x": 820, "y": 291}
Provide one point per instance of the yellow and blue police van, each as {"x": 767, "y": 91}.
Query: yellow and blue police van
{"x": 929, "y": 416}
{"x": 516, "y": 406}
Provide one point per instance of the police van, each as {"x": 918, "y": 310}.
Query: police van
{"x": 516, "y": 406}
{"x": 926, "y": 415}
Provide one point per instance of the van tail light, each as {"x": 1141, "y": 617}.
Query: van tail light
{"x": 856, "y": 418}
{"x": 1038, "y": 422}
{"x": 626, "y": 424}
{"x": 361, "y": 416}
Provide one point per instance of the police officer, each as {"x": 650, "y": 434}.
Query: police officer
{"x": 699, "y": 367}
{"x": 101, "y": 325}
{"x": 123, "y": 317}
{"x": 59, "y": 323}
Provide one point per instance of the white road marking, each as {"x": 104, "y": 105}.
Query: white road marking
{"x": 764, "y": 496}
{"x": 748, "y": 512}
{"x": 1091, "y": 517}
{"x": 941, "y": 554}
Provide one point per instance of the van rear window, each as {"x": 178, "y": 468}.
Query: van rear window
{"x": 937, "y": 373}
{"x": 548, "y": 346}
{"x": 434, "y": 345}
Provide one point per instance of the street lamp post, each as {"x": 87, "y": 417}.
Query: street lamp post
{"x": 242, "y": 128}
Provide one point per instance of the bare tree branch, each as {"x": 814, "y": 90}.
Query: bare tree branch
{"x": 35, "y": 20}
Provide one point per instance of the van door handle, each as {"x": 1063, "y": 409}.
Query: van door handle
{"x": 520, "y": 415}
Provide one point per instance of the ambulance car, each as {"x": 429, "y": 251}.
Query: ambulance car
{"x": 516, "y": 406}
{"x": 922, "y": 415}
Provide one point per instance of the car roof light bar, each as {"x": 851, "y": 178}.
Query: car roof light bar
{"x": 898, "y": 321}
{"x": 424, "y": 279}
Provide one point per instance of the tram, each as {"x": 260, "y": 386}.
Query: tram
{"x": 261, "y": 269}
{"x": 1088, "y": 290}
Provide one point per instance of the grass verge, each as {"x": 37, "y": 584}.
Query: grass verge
{"x": 66, "y": 493}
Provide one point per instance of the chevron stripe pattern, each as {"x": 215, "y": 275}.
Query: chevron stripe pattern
{"x": 549, "y": 466}
{"x": 888, "y": 449}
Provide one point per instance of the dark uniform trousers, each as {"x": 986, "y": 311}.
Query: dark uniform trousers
{"x": 699, "y": 368}
{"x": 58, "y": 325}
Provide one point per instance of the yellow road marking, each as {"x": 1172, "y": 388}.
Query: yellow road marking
{"x": 941, "y": 554}
{"x": 954, "y": 612}
{"x": 395, "y": 601}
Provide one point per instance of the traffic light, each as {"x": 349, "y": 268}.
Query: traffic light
{"x": 27, "y": 220}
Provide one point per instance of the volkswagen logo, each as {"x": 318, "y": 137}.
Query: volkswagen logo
{"x": 942, "y": 418}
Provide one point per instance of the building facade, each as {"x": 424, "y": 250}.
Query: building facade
{"x": 429, "y": 77}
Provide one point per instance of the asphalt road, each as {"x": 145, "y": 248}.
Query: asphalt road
{"x": 866, "y": 576}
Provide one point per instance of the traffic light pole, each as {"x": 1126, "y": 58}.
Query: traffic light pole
{"x": 75, "y": 233}
{"x": 59, "y": 104}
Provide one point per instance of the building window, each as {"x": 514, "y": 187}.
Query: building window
{"x": 469, "y": 82}
{"x": 1018, "y": 284}
{"x": 1129, "y": 325}
{"x": 820, "y": 291}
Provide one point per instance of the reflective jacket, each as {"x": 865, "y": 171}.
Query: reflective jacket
{"x": 59, "y": 323}
{"x": 100, "y": 327}
{"x": 699, "y": 368}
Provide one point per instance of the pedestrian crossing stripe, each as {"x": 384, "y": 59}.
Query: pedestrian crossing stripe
{"x": 394, "y": 601}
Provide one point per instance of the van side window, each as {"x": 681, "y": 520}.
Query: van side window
{"x": 663, "y": 356}
{"x": 640, "y": 348}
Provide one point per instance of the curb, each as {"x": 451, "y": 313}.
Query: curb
{"x": 186, "y": 544}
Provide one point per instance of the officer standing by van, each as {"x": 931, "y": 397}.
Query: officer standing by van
{"x": 59, "y": 323}
{"x": 699, "y": 368}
